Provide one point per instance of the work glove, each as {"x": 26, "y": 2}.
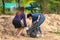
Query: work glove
{"x": 37, "y": 20}
{"x": 26, "y": 28}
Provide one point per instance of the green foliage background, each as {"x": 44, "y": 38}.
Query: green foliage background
{"x": 50, "y": 6}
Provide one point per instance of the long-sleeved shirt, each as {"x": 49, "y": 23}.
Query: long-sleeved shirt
{"x": 20, "y": 17}
{"x": 35, "y": 16}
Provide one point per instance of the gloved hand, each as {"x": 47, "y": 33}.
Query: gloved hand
{"x": 37, "y": 20}
{"x": 26, "y": 28}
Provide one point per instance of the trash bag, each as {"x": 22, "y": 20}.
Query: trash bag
{"x": 32, "y": 31}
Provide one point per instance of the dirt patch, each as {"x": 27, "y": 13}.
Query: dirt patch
{"x": 52, "y": 23}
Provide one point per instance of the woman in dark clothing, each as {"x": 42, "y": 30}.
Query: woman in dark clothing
{"x": 17, "y": 21}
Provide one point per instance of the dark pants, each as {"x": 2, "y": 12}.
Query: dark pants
{"x": 33, "y": 30}
{"x": 40, "y": 22}
{"x": 17, "y": 24}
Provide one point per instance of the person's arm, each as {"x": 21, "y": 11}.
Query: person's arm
{"x": 24, "y": 20}
{"x": 38, "y": 18}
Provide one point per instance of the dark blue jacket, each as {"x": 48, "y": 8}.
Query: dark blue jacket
{"x": 20, "y": 17}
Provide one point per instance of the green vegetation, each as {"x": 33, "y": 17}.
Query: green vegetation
{"x": 58, "y": 32}
{"x": 44, "y": 6}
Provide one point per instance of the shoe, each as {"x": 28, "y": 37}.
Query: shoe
{"x": 40, "y": 35}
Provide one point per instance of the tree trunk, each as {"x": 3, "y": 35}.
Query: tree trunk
{"x": 18, "y": 3}
{"x": 41, "y": 5}
{"x": 3, "y": 6}
{"x": 31, "y": 8}
{"x": 46, "y": 7}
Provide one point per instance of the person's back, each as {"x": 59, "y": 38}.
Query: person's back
{"x": 35, "y": 16}
{"x": 19, "y": 16}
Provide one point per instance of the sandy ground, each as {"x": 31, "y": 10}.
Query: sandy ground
{"x": 51, "y": 24}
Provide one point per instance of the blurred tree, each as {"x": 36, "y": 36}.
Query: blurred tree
{"x": 54, "y": 6}
{"x": 45, "y": 6}
{"x": 18, "y": 3}
{"x": 0, "y": 6}
{"x": 3, "y": 6}
{"x": 45, "y": 10}
{"x": 26, "y": 2}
